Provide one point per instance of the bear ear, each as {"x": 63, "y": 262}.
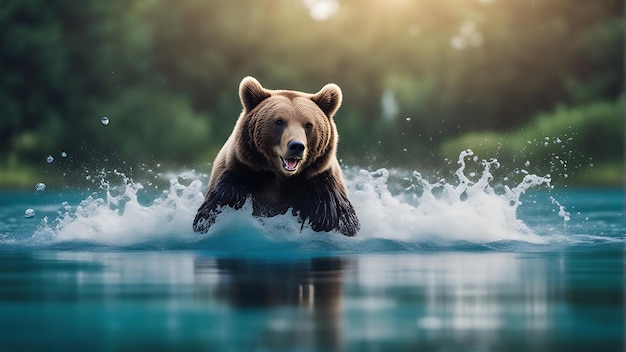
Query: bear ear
{"x": 328, "y": 99}
{"x": 252, "y": 93}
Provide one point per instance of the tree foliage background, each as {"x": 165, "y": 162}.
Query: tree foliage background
{"x": 422, "y": 79}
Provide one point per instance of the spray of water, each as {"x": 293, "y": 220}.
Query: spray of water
{"x": 118, "y": 218}
{"x": 463, "y": 211}
{"x": 467, "y": 210}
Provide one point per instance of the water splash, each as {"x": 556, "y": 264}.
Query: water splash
{"x": 119, "y": 218}
{"x": 420, "y": 214}
{"x": 29, "y": 213}
{"x": 466, "y": 211}
{"x": 562, "y": 212}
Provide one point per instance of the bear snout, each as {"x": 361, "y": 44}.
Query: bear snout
{"x": 296, "y": 148}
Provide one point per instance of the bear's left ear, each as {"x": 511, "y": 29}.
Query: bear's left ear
{"x": 328, "y": 99}
{"x": 252, "y": 93}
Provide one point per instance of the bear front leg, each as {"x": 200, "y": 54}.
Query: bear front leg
{"x": 328, "y": 207}
{"x": 334, "y": 212}
{"x": 348, "y": 223}
{"x": 222, "y": 194}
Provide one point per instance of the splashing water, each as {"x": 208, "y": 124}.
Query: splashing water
{"x": 562, "y": 212}
{"x": 422, "y": 215}
{"x": 120, "y": 219}
{"x": 469, "y": 211}
{"x": 29, "y": 213}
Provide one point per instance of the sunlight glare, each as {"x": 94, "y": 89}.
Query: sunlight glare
{"x": 322, "y": 10}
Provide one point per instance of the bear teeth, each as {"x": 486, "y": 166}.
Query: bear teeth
{"x": 290, "y": 164}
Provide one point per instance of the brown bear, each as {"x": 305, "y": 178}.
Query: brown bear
{"x": 281, "y": 155}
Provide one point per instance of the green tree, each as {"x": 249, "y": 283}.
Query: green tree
{"x": 166, "y": 72}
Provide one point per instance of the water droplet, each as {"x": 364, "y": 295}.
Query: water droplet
{"x": 40, "y": 187}
{"x": 105, "y": 120}
{"x": 50, "y": 159}
{"x": 527, "y": 163}
{"x": 29, "y": 213}
{"x": 64, "y": 154}
{"x": 408, "y": 119}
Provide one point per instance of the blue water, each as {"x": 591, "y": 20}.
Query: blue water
{"x": 467, "y": 264}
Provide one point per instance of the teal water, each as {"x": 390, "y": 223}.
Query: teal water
{"x": 437, "y": 267}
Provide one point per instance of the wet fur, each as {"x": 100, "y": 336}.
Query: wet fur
{"x": 248, "y": 166}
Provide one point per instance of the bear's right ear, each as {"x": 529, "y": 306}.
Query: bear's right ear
{"x": 252, "y": 93}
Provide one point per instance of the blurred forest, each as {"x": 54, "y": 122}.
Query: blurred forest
{"x": 525, "y": 81}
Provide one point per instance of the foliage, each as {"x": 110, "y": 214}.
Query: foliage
{"x": 583, "y": 142}
{"x": 166, "y": 72}
{"x": 167, "y": 123}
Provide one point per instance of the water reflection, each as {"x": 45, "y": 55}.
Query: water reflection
{"x": 302, "y": 298}
{"x": 457, "y": 301}
{"x": 464, "y": 299}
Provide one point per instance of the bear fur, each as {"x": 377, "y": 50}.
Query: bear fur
{"x": 281, "y": 155}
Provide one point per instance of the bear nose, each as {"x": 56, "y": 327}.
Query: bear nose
{"x": 296, "y": 147}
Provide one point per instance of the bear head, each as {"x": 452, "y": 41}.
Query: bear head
{"x": 287, "y": 132}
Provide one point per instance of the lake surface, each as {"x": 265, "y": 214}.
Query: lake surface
{"x": 446, "y": 268}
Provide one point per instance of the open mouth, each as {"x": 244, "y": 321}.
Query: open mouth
{"x": 290, "y": 164}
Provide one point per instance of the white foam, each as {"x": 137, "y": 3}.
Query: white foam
{"x": 121, "y": 220}
{"x": 464, "y": 210}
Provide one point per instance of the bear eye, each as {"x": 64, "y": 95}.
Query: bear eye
{"x": 308, "y": 126}
{"x": 279, "y": 122}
